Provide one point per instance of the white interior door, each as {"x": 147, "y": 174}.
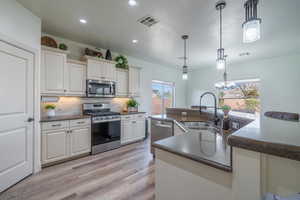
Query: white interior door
{"x": 16, "y": 130}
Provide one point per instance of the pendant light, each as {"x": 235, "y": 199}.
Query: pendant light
{"x": 185, "y": 68}
{"x": 221, "y": 52}
{"x": 251, "y": 26}
{"x": 226, "y": 85}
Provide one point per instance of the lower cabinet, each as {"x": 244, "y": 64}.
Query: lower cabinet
{"x": 55, "y": 146}
{"x": 80, "y": 141}
{"x": 65, "y": 139}
{"x": 133, "y": 128}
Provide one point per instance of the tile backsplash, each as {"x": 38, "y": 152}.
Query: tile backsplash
{"x": 73, "y": 105}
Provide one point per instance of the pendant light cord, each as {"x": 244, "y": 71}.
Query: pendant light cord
{"x": 184, "y": 52}
{"x": 221, "y": 28}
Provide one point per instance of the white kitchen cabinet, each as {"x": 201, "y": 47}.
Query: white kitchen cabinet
{"x": 80, "y": 141}
{"x": 132, "y": 128}
{"x": 134, "y": 81}
{"x": 126, "y": 131}
{"x": 93, "y": 70}
{"x": 54, "y": 146}
{"x": 53, "y": 68}
{"x": 100, "y": 69}
{"x": 122, "y": 82}
{"x": 65, "y": 139}
{"x": 76, "y": 78}
{"x": 61, "y": 77}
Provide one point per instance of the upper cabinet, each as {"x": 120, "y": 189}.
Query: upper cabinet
{"x": 76, "y": 78}
{"x": 60, "y": 76}
{"x": 100, "y": 69}
{"x": 134, "y": 81}
{"x": 122, "y": 82}
{"x": 53, "y": 67}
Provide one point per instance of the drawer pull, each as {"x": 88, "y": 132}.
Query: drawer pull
{"x": 133, "y": 122}
{"x": 56, "y": 125}
{"x": 80, "y": 122}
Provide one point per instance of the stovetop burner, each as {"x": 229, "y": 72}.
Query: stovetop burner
{"x": 101, "y": 113}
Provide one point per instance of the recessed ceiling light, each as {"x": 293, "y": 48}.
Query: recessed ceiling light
{"x": 135, "y": 41}
{"x": 83, "y": 21}
{"x": 132, "y": 2}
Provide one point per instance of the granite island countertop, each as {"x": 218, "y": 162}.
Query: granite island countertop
{"x": 270, "y": 136}
{"x": 264, "y": 135}
{"x": 204, "y": 147}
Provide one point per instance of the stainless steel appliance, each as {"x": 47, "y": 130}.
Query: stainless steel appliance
{"x": 160, "y": 129}
{"x": 106, "y": 127}
{"x": 96, "y": 88}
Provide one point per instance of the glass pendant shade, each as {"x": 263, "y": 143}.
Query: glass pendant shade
{"x": 225, "y": 85}
{"x": 185, "y": 73}
{"x": 185, "y": 76}
{"x": 221, "y": 64}
{"x": 251, "y": 31}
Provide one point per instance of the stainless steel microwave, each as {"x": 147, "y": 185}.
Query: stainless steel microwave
{"x": 96, "y": 88}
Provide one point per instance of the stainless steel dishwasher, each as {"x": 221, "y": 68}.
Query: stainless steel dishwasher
{"x": 160, "y": 129}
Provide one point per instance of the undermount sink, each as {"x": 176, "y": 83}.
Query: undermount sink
{"x": 201, "y": 126}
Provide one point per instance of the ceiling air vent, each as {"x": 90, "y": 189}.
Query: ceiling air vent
{"x": 148, "y": 21}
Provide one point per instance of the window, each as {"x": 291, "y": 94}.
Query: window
{"x": 162, "y": 96}
{"x": 244, "y": 98}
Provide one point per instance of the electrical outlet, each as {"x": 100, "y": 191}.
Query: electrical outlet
{"x": 235, "y": 125}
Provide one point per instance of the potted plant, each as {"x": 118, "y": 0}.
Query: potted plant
{"x": 50, "y": 110}
{"x": 226, "y": 109}
{"x": 122, "y": 62}
{"x": 132, "y": 105}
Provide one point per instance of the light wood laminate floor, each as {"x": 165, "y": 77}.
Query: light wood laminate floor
{"x": 124, "y": 173}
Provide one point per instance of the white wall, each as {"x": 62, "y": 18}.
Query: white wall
{"x": 19, "y": 24}
{"x": 280, "y": 79}
{"x": 149, "y": 72}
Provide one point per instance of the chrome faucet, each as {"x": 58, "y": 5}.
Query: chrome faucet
{"x": 216, "y": 120}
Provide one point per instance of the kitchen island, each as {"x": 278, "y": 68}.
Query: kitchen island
{"x": 260, "y": 162}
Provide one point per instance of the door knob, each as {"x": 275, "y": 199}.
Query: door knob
{"x": 30, "y": 119}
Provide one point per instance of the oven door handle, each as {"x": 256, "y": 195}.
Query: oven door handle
{"x": 104, "y": 121}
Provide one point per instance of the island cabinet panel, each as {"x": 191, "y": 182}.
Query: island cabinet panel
{"x": 133, "y": 128}
{"x": 179, "y": 178}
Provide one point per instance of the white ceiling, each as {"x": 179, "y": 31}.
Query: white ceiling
{"x": 113, "y": 24}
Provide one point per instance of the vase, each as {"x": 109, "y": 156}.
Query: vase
{"x": 51, "y": 113}
{"x": 108, "y": 55}
{"x": 132, "y": 109}
{"x": 226, "y": 112}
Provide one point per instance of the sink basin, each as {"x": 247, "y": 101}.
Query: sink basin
{"x": 201, "y": 126}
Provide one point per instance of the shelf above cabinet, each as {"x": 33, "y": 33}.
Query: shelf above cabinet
{"x": 85, "y": 58}
{"x": 56, "y": 50}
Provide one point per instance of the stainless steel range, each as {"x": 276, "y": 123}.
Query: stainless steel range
{"x": 106, "y": 127}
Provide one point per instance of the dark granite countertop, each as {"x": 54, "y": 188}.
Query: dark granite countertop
{"x": 205, "y": 147}
{"x": 270, "y": 136}
{"x": 132, "y": 113}
{"x": 62, "y": 118}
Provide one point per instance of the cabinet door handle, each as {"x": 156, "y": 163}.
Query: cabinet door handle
{"x": 133, "y": 122}
{"x": 55, "y": 125}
